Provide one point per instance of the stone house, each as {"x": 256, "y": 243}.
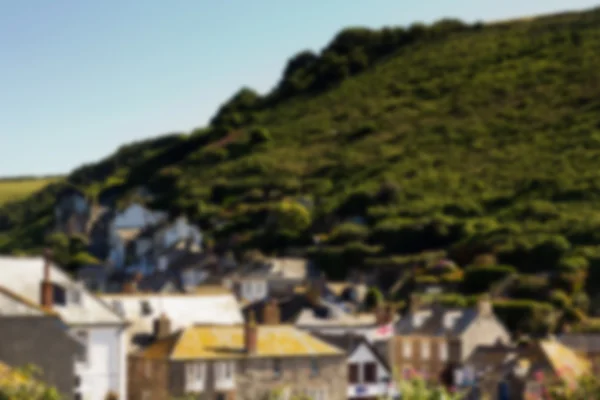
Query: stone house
{"x": 434, "y": 341}
{"x": 246, "y": 361}
{"x": 25, "y": 331}
{"x": 520, "y": 372}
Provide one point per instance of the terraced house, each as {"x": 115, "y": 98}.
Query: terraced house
{"x": 435, "y": 341}
{"x": 238, "y": 362}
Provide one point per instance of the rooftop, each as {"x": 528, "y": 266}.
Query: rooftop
{"x": 13, "y": 304}
{"x": 23, "y": 275}
{"x": 225, "y": 342}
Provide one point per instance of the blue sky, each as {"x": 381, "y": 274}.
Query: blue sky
{"x": 79, "y": 78}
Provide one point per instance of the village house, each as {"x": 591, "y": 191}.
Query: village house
{"x": 25, "y": 331}
{"x": 434, "y": 340}
{"x": 260, "y": 279}
{"x": 71, "y": 212}
{"x": 143, "y": 311}
{"x": 522, "y": 371}
{"x": 309, "y": 312}
{"x": 370, "y": 376}
{"x": 246, "y": 361}
{"x": 102, "y": 367}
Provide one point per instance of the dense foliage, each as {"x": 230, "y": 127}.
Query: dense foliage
{"x": 471, "y": 139}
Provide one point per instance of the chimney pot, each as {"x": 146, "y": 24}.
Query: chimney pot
{"x": 162, "y": 327}
{"x": 271, "y": 313}
{"x": 46, "y": 288}
{"x": 250, "y": 334}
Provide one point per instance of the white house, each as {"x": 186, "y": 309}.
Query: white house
{"x": 209, "y": 306}
{"x": 137, "y": 216}
{"x": 102, "y": 369}
{"x": 369, "y": 375}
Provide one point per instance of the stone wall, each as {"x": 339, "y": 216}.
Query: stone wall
{"x": 257, "y": 377}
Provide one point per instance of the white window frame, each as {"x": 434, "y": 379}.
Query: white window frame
{"x": 425, "y": 349}
{"x": 195, "y": 376}
{"x": 443, "y": 351}
{"x": 407, "y": 349}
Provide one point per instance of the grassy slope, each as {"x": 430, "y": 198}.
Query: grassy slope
{"x": 489, "y": 138}
{"x": 18, "y": 189}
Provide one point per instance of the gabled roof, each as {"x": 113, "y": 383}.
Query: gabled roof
{"x": 24, "y": 275}
{"x": 436, "y": 321}
{"x": 369, "y": 346}
{"x": 227, "y": 342}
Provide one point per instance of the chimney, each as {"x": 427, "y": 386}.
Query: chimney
{"x": 162, "y": 327}
{"x": 484, "y": 307}
{"x": 46, "y": 288}
{"x": 271, "y": 313}
{"x": 250, "y": 334}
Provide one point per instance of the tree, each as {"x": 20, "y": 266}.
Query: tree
{"x": 291, "y": 217}
{"x": 22, "y": 384}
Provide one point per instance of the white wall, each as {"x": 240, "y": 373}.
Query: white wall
{"x": 361, "y": 355}
{"x": 105, "y": 367}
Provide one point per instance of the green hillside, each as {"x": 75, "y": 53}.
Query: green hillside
{"x": 465, "y": 138}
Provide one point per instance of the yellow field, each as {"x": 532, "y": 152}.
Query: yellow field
{"x": 11, "y": 190}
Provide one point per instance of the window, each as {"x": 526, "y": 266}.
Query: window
{"x": 316, "y": 394}
{"x": 443, "y": 351}
{"x": 277, "y": 368}
{"x": 314, "y": 368}
{"x": 370, "y": 372}
{"x": 147, "y": 368}
{"x": 146, "y": 309}
{"x": 194, "y": 377}
{"x": 353, "y": 373}
{"x": 227, "y": 367}
{"x": 77, "y": 381}
{"x": 425, "y": 346}
{"x": 82, "y": 336}
{"x": 407, "y": 349}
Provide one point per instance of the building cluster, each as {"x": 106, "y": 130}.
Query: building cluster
{"x": 167, "y": 319}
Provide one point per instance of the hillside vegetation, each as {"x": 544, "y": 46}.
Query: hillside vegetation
{"x": 471, "y": 139}
{"x": 12, "y": 190}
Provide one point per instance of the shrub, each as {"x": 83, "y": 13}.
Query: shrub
{"x": 260, "y": 135}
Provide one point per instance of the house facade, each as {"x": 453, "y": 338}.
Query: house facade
{"x": 238, "y": 362}
{"x": 101, "y": 368}
{"x": 26, "y": 329}
{"x": 434, "y": 341}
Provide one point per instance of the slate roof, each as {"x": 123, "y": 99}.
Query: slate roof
{"x": 436, "y": 321}
{"x": 227, "y": 342}
{"x": 24, "y": 275}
